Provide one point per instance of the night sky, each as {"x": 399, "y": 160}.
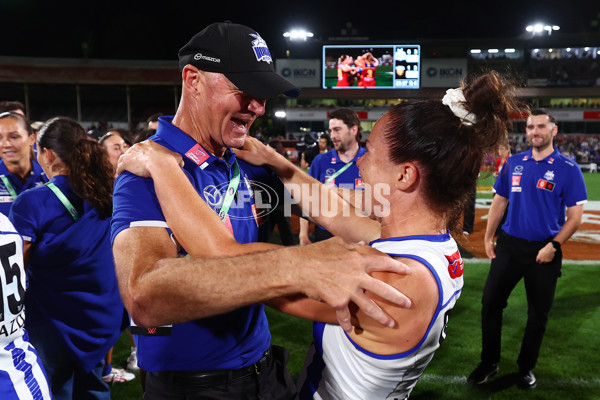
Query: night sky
{"x": 155, "y": 31}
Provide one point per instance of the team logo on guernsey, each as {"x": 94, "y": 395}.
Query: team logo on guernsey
{"x": 197, "y": 154}
{"x": 549, "y": 175}
{"x": 456, "y": 266}
{"x": 260, "y": 49}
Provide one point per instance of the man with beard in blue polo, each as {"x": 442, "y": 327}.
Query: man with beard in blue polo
{"x": 544, "y": 192}
{"x": 337, "y": 167}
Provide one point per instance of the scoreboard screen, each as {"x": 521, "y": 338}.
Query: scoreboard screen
{"x": 371, "y": 67}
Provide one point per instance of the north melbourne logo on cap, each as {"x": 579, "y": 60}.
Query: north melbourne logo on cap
{"x": 260, "y": 49}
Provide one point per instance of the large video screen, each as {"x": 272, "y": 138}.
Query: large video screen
{"x": 371, "y": 67}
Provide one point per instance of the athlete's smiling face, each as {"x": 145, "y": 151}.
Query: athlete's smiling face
{"x": 15, "y": 142}
{"x": 229, "y": 112}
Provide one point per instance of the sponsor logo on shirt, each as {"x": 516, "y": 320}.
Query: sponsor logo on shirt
{"x": 197, "y": 154}
{"x": 456, "y": 266}
{"x": 545, "y": 185}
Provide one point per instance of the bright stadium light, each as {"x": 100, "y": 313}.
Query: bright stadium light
{"x": 540, "y": 28}
{"x": 280, "y": 114}
{"x": 298, "y": 34}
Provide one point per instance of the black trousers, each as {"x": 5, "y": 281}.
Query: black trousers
{"x": 273, "y": 383}
{"x": 515, "y": 260}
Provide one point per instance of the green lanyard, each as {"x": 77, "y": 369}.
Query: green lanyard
{"x": 231, "y": 190}
{"x": 332, "y": 177}
{"x": 63, "y": 199}
{"x": 8, "y": 186}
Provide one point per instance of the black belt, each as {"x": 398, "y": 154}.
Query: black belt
{"x": 214, "y": 377}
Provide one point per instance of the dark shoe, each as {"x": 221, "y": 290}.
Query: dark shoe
{"x": 482, "y": 373}
{"x": 527, "y": 380}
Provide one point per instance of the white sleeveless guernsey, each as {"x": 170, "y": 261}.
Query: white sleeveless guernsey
{"x": 337, "y": 368}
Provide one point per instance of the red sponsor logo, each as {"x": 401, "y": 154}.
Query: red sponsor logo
{"x": 546, "y": 185}
{"x": 516, "y": 180}
{"x": 456, "y": 266}
{"x": 151, "y": 331}
{"x": 358, "y": 183}
{"x": 197, "y": 154}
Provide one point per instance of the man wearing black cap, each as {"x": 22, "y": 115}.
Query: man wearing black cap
{"x": 219, "y": 343}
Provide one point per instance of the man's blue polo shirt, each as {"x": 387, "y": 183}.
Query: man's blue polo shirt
{"x": 538, "y": 193}
{"x": 37, "y": 177}
{"x": 228, "y": 341}
{"x": 326, "y": 164}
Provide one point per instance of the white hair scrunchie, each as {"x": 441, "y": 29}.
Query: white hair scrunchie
{"x": 455, "y": 99}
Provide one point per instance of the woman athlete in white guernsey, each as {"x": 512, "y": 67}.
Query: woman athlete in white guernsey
{"x": 423, "y": 159}
{"x": 22, "y": 375}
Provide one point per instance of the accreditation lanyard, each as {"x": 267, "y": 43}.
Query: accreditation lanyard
{"x": 231, "y": 190}
{"x": 63, "y": 199}
{"x": 9, "y": 186}
{"x": 332, "y": 177}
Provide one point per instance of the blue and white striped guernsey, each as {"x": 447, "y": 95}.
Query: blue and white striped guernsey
{"x": 21, "y": 373}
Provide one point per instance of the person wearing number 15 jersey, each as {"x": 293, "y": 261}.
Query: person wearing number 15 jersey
{"x": 22, "y": 374}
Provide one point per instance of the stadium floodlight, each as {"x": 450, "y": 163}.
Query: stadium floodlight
{"x": 280, "y": 114}
{"x": 540, "y": 28}
{"x": 298, "y": 34}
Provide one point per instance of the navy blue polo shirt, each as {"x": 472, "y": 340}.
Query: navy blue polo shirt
{"x": 538, "y": 193}
{"x": 232, "y": 340}
{"x": 325, "y": 165}
{"x": 37, "y": 177}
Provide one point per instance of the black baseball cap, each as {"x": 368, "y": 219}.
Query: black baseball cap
{"x": 239, "y": 53}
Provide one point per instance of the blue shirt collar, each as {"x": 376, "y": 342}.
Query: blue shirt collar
{"x": 182, "y": 143}
{"x": 551, "y": 158}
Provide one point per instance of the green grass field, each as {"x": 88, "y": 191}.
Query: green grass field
{"x": 567, "y": 367}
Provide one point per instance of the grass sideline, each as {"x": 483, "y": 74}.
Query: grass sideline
{"x": 567, "y": 367}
